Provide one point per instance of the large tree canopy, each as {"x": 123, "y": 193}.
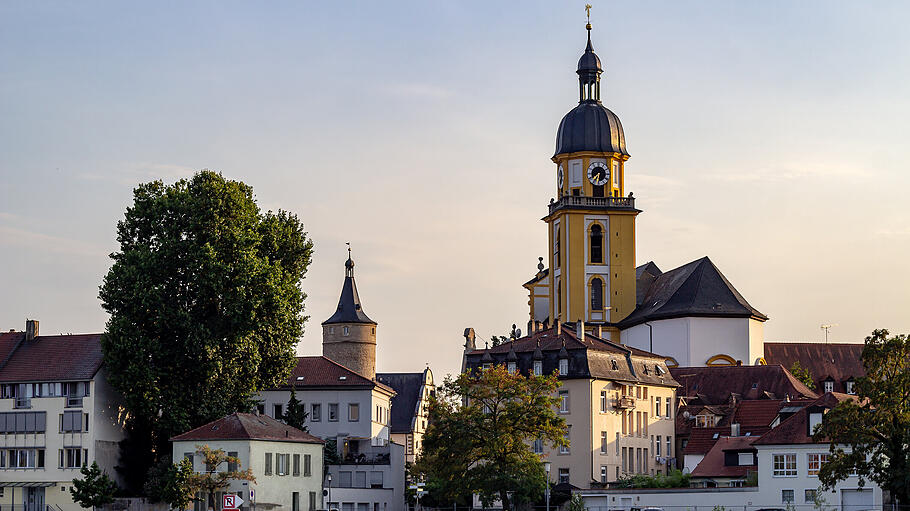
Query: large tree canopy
{"x": 870, "y": 436}
{"x": 479, "y": 439}
{"x": 204, "y": 300}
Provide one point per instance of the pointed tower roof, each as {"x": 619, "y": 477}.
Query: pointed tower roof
{"x": 349, "y": 308}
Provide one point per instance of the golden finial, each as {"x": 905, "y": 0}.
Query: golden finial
{"x": 588, "y": 13}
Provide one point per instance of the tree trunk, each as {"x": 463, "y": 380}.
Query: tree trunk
{"x": 504, "y": 497}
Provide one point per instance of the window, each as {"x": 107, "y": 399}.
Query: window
{"x": 296, "y": 465}
{"x": 316, "y": 412}
{"x": 850, "y": 389}
{"x": 27, "y": 458}
{"x": 603, "y": 474}
{"x": 353, "y": 412}
{"x": 815, "y": 463}
{"x": 657, "y": 407}
{"x": 563, "y": 366}
{"x": 312, "y": 501}
{"x": 597, "y": 244}
{"x": 295, "y": 501}
{"x": 333, "y": 412}
{"x": 810, "y": 496}
{"x": 603, "y": 401}
{"x": 232, "y": 465}
{"x": 597, "y": 294}
{"x": 563, "y": 401}
{"x": 829, "y": 386}
{"x": 625, "y": 460}
{"x": 277, "y": 412}
{"x": 375, "y": 479}
{"x": 556, "y": 249}
{"x": 668, "y": 409}
{"x": 625, "y": 429}
{"x": 70, "y": 422}
{"x": 657, "y": 446}
{"x": 538, "y": 446}
{"x": 644, "y": 416}
{"x": 346, "y": 330}
{"x": 786, "y": 496}
{"x": 564, "y": 449}
{"x": 307, "y": 465}
{"x": 784, "y": 465}
{"x": 73, "y": 457}
{"x": 268, "y": 464}
{"x": 644, "y": 460}
{"x": 745, "y": 459}
{"x": 603, "y": 442}
{"x": 538, "y": 368}
{"x": 281, "y": 464}
{"x": 669, "y": 445}
{"x": 563, "y": 475}
{"x": 511, "y": 367}
{"x": 704, "y": 421}
{"x": 558, "y": 297}
{"x": 23, "y": 422}
{"x": 637, "y": 392}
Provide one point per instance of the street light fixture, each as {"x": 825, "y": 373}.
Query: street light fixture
{"x": 329, "y": 505}
{"x": 546, "y": 468}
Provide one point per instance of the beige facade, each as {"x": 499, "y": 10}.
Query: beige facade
{"x": 615, "y": 429}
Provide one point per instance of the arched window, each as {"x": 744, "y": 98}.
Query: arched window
{"x": 597, "y": 294}
{"x": 597, "y": 244}
{"x": 556, "y": 249}
{"x": 558, "y": 298}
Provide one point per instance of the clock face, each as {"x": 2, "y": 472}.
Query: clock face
{"x": 598, "y": 174}
{"x": 560, "y": 177}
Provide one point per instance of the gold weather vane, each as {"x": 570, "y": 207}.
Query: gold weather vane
{"x": 348, "y": 243}
{"x": 588, "y": 12}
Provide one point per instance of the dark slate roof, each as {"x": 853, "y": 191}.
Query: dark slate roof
{"x": 645, "y": 275}
{"x": 324, "y": 372}
{"x": 695, "y": 289}
{"x": 715, "y": 384}
{"x": 349, "y": 308}
{"x": 49, "y": 357}
{"x": 589, "y": 357}
{"x": 540, "y": 275}
{"x": 407, "y": 394}
{"x": 713, "y": 463}
{"x": 590, "y": 126}
{"x": 837, "y": 361}
{"x": 795, "y": 429}
{"x": 247, "y": 426}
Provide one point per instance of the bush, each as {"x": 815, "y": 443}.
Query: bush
{"x": 676, "y": 479}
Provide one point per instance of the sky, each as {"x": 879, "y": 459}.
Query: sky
{"x": 770, "y": 136}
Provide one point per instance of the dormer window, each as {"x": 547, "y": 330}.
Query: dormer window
{"x": 850, "y": 387}
{"x": 512, "y": 367}
{"x": 613, "y": 365}
{"x": 563, "y": 366}
{"x": 487, "y": 366}
{"x": 538, "y": 368}
{"x": 828, "y": 385}
{"x": 346, "y": 331}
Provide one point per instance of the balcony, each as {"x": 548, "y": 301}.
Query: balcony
{"x": 624, "y": 402}
{"x": 373, "y": 456}
{"x": 581, "y": 202}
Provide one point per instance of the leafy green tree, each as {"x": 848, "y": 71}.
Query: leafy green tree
{"x": 479, "y": 437}
{"x": 870, "y": 435}
{"x": 95, "y": 489}
{"x": 576, "y": 503}
{"x": 496, "y": 340}
{"x": 802, "y": 374}
{"x": 172, "y": 483}
{"x": 212, "y": 480}
{"x": 295, "y": 414}
{"x": 205, "y": 304}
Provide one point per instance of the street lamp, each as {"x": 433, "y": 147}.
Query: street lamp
{"x": 546, "y": 468}
{"x": 329, "y": 506}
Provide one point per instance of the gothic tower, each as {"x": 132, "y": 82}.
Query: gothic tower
{"x": 592, "y": 223}
{"x": 349, "y": 336}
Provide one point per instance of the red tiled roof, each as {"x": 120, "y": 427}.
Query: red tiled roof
{"x": 754, "y": 418}
{"x": 324, "y": 372}
{"x": 795, "y": 430}
{"x": 247, "y": 426}
{"x": 713, "y": 463}
{"x": 50, "y": 357}
{"x": 757, "y": 413}
{"x": 716, "y": 383}
{"x": 838, "y": 361}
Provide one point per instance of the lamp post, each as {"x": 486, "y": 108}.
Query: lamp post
{"x": 329, "y": 503}
{"x": 546, "y": 468}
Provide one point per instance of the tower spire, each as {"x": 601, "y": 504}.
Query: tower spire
{"x": 349, "y": 264}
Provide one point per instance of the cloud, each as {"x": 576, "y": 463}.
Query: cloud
{"x": 19, "y": 238}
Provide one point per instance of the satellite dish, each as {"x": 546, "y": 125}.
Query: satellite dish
{"x": 517, "y": 333}
{"x": 686, "y": 414}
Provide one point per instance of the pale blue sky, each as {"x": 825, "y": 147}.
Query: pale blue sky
{"x": 769, "y": 136}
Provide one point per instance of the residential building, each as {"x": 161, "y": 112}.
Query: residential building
{"x": 731, "y": 462}
{"x": 833, "y": 367}
{"x": 286, "y": 462}
{"x": 410, "y": 408}
{"x": 57, "y": 412}
{"x": 789, "y": 461}
{"x": 612, "y": 398}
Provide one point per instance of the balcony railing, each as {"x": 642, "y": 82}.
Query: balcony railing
{"x": 23, "y": 402}
{"x": 380, "y": 458}
{"x": 73, "y": 401}
{"x": 578, "y": 201}
{"x": 624, "y": 402}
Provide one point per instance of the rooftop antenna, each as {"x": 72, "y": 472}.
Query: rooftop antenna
{"x": 826, "y": 328}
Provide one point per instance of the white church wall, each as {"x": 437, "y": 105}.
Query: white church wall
{"x": 693, "y": 341}
{"x": 670, "y": 338}
{"x": 756, "y": 341}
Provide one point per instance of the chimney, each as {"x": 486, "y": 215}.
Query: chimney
{"x": 31, "y": 329}
{"x": 734, "y": 429}
{"x": 580, "y": 330}
{"x": 558, "y": 326}
{"x": 469, "y": 338}
{"x": 598, "y": 331}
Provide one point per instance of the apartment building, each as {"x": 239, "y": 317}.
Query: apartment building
{"x": 618, "y": 402}
{"x": 57, "y": 412}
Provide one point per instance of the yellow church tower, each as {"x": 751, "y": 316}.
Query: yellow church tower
{"x": 591, "y": 224}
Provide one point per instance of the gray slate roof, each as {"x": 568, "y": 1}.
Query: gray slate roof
{"x": 349, "y": 308}
{"x": 407, "y": 394}
{"x": 694, "y": 289}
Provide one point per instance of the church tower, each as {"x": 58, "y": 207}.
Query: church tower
{"x": 349, "y": 336}
{"x": 592, "y": 222}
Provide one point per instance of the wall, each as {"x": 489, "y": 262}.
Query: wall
{"x": 692, "y": 341}
{"x": 356, "y": 351}
{"x": 389, "y": 498}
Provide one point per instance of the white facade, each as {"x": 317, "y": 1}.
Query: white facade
{"x": 792, "y": 476}
{"x": 294, "y": 483}
{"x": 694, "y": 341}
{"x": 52, "y": 436}
{"x": 374, "y": 486}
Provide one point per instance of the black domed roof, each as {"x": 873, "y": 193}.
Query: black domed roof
{"x": 590, "y": 126}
